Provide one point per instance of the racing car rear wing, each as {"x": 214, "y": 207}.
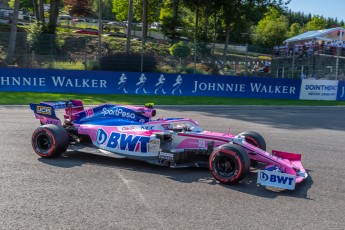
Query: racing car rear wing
{"x": 45, "y": 111}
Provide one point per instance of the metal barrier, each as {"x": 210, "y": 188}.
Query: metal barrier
{"x": 78, "y": 49}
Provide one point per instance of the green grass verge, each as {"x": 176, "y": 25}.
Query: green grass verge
{"x": 19, "y": 98}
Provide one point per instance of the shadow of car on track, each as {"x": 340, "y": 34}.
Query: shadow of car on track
{"x": 184, "y": 175}
{"x": 248, "y": 185}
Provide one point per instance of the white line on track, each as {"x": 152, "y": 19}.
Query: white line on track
{"x": 134, "y": 191}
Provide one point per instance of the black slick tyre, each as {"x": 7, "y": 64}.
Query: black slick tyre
{"x": 255, "y": 139}
{"x": 229, "y": 164}
{"x": 49, "y": 141}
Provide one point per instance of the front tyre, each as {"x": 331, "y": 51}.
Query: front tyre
{"x": 49, "y": 141}
{"x": 229, "y": 164}
{"x": 255, "y": 139}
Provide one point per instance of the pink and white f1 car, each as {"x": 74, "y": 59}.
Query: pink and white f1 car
{"x": 130, "y": 132}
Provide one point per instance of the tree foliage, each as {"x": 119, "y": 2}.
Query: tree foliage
{"x": 272, "y": 29}
{"x": 237, "y": 21}
{"x": 295, "y": 29}
{"x": 170, "y": 20}
{"x": 152, "y": 10}
{"x": 180, "y": 50}
{"x": 107, "y": 9}
{"x": 24, "y": 4}
{"x": 79, "y": 7}
{"x": 120, "y": 8}
{"x": 316, "y": 23}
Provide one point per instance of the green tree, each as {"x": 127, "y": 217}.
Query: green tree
{"x": 231, "y": 9}
{"x": 153, "y": 8}
{"x": 198, "y": 7}
{"x": 146, "y": 12}
{"x": 41, "y": 17}
{"x": 170, "y": 19}
{"x": 35, "y": 6}
{"x": 180, "y": 50}
{"x": 13, "y": 34}
{"x": 120, "y": 8}
{"x": 272, "y": 29}
{"x": 234, "y": 10}
{"x": 295, "y": 29}
{"x": 129, "y": 26}
{"x": 107, "y": 11}
{"x": 24, "y": 4}
{"x": 53, "y": 15}
{"x": 79, "y": 7}
{"x": 316, "y": 23}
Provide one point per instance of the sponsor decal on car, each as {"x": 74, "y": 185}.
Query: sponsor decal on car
{"x": 166, "y": 156}
{"x": 202, "y": 143}
{"x": 117, "y": 112}
{"x": 154, "y": 144}
{"x": 168, "y": 126}
{"x": 52, "y": 121}
{"x": 44, "y": 110}
{"x": 89, "y": 113}
{"x": 123, "y": 141}
{"x": 128, "y": 128}
{"x": 60, "y": 105}
{"x": 276, "y": 179}
{"x": 147, "y": 127}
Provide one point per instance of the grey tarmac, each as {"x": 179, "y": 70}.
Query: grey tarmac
{"x": 82, "y": 191}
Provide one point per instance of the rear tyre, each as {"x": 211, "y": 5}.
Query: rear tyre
{"x": 229, "y": 164}
{"x": 49, "y": 141}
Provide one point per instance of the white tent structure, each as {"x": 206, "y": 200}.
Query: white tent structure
{"x": 332, "y": 34}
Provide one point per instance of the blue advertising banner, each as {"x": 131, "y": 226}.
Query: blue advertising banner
{"x": 341, "y": 91}
{"x": 103, "y": 82}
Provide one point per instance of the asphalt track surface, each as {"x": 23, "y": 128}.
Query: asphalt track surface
{"x": 82, "y": 191}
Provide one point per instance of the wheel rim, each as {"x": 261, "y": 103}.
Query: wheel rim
{"x": 225, "y": 165}
{"x": 43, "y": 142}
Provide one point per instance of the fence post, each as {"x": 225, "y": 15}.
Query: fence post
{"x": 293, "y": 63}
{"x": 246, "y": 61}
{"x": 337, "y": 63}
{"x": 25, "y": 57}
{"x": 195, "y": 46}
{"x": 100, "y": 29}
{"x": 142, "y": 53}
{"x": 85, "y": 51}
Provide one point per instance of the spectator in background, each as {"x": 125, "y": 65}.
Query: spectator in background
{"x": 267, "y": 66}
{"x": 290, "y": 50}
{"x": 333, "y": 47}
{"x": 343, "y": 49}
{"x": 322, "y": 47}
{"x": 276, "y": 51}
{"x": 310, "y": 51}
{"x": 295, "y": 49}
{"x": 328, "y": 48}
{"x": 338, "y": 48}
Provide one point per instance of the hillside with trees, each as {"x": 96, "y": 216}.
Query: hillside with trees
{"x": 265, "y": 23}
{"x": 236, "y": 21}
